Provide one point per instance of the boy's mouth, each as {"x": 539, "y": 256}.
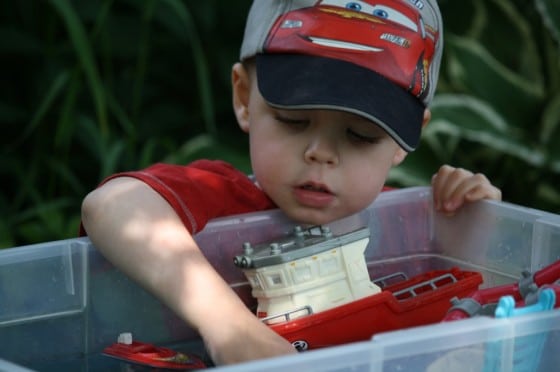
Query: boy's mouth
{"x": 311, "y": 186}
{"x": 314, "y": 195}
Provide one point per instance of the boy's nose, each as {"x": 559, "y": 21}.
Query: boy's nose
{"x": 321, "y": 150}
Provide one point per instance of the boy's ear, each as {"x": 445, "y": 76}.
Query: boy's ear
{"x": 399, "y": 156}
{"x": 241, "y": 86}
{"x": 427, "y": 117}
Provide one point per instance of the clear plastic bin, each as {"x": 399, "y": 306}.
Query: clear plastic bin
{"x": 462, "y": 346}
{"x": 61, "y": 303}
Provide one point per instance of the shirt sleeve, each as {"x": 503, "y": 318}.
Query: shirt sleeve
{"x": 202, "y": 190}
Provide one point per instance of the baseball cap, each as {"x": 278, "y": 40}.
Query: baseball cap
{"x": 378, "y": 59}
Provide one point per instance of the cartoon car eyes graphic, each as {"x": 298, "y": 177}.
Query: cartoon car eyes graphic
{"x": 379, "y": 11}
{"x": 387, "y": 36}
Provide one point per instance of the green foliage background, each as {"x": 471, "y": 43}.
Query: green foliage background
{"x": 90, "y": 88}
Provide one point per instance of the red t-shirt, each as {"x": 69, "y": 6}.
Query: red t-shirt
{"x": 203, "y": 190}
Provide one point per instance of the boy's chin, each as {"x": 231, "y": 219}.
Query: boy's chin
{"x": 307, "y": 217}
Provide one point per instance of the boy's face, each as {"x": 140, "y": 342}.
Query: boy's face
{"x": 316, "y": 165}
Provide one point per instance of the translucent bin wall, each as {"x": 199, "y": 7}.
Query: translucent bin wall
{"x": 63, "y": 301}
{"x": 480, "y": 344}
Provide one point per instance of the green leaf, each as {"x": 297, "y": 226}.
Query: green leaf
{"x": 66, "y": 175}
{"x": 54, "y": 91}
{"x": 472, "y": 119}
{"x": 191, "y": 149}
{"x": 550, "y": 132}
{"x": 473, "y": 69}
{"x": 477, "y": 114}
{"x": 66, "y": 125}
{"x": 6, "y": 236}
{"x": 122, "y": 117}
{"x": 463, "y": 18}
{"x": 46, "y": 221}
{"x": 202, "y": 74}
{"x": 550, "y": 13}
{"x": 85, "y": 55}
{"x": 111, "y": 158}
{"x": 205, "y": 146}
{"x": 509, "y": 37}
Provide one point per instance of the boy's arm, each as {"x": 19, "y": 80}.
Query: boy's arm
{"x": 137, "y": 230}
{"x": 453, "y": 187}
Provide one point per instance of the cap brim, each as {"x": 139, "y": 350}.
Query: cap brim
{"x": 296, "y": 81}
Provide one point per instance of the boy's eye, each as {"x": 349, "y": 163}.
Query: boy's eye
{"x": 360, "y": 137}
{"x": 291, "y": 121}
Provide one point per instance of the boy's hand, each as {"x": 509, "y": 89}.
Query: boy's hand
{"x": 452, "y": 187}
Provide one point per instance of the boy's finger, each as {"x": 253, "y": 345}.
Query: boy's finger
{"x": 439, "y": 181}
{"x": 486, "y": 191}
{"x": 457, "y": 183}
{"x": 466, "y": 184}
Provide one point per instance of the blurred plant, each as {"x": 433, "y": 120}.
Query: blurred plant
{"x": 497, "y": 110}
{"x": 92, "y": 88}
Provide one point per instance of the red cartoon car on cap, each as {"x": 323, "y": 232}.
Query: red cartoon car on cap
{"x": 388, "y": 36}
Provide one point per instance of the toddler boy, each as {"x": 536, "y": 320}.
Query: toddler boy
{"x": 332, "y": 95}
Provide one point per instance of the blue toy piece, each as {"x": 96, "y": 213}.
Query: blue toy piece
{"x": 506, "y": 305}
{"x": 526, "y": 350}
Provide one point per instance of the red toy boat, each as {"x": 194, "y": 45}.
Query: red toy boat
{"x": 314, "y": 289}
{"x": 151, "y": 355}
{"x": 422, "y": 300}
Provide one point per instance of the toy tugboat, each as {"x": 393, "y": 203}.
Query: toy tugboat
{"x": 150, "y": 355}
{"x": 314, "y": 289}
